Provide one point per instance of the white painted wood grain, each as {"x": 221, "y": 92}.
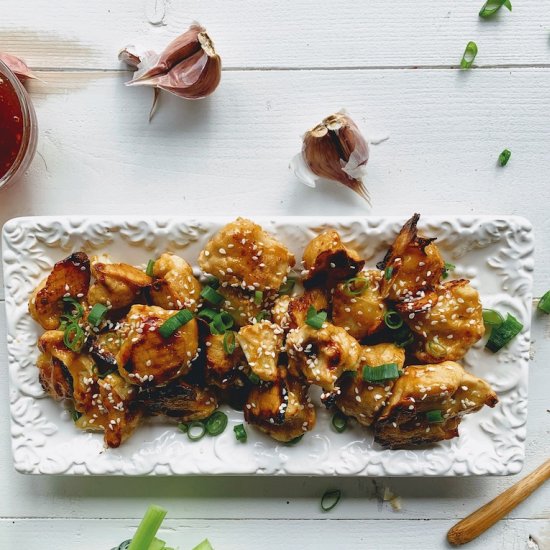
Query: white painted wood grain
{"x": 261, "y": 33}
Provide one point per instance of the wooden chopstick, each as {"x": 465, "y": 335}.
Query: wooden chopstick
{"x": 486, "y": 516}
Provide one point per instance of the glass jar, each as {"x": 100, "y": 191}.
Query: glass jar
{"x": 29, "y": 128}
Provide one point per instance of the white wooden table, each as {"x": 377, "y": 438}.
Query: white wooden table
{"x": 287, "y": 64}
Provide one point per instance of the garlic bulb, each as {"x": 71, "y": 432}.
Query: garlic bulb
{"x": 334, "y": 150}
{"x": 17, "y": 66}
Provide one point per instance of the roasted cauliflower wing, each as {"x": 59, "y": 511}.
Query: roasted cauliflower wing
{"x": 299, "y": 305}
{"x": 327, "y": 260}
{"x": 322, "y": 356}
{"x": 239, "y": 304}
{"x": 282, "y": 410}
{"x": 261, "y": 344}
{"x": 362, "y": 399}
{"x": 54, "y": 377}
{"x": 450, "y": 323}
{"x": 412, "y": 266}
{"x": 117, "y": 285}
{"x": 223, "y": 369}
{"x": 445, "y": 387}
{"x": 243, "y": 254}
{"x": 69, "y": 277}
{"x": 145, "y": 357}
{"x": 174, "y": 285}
{"x": 358, "y": 306}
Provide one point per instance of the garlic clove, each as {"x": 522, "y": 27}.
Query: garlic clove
{"x": 334, "y": 150}
{"x": 17, "y": 66}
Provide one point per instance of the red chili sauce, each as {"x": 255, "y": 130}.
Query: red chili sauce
{"x": 11, "y": 125}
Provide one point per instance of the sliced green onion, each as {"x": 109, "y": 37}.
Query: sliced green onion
{"x": 183, "y": 427}
{"x": 393, "y": 319}
{"x": 75, "y": 415}
{"x": 469, "y": 55}
{"x": 492, "y": 318}
{"x": 74, "y": 337}
{"x": 229, "y": 342}
{"x": 107, "y": 372}
{"x": 544, "y": 304}
{"x": 216, "y": 424}
{"x": 315, "y": 319}
{"x": 208, "y": 314}
{"x": 258, "y": 297}
{"x": 404, "y": 337}
{"x": 211, "y": 295}
{"x": 262, "y": 315}
{"x": 222, "y": 322}
{"x": 339, "y": 422}
{"x": 288, "y": 286}
{"x": 172, "y": 324}
{"x": 150, "y": 268}
{"x": 492, "y": 6}
{"x": 212, "y": 281}
{"x": 294, "y": 441}
{"x": 446, "y": 269}
{"x": 388, "y": 272}
{"x": 504, "y": 157}
{"x": 356, "y": 286}
{"x": 330, "y": 499}
{"x": 78, "y": 311}
{"x": 434, "y": 416}
{"x": 204, "y": 545}
{"x": 240, "y": 433}
{"x": 148, "y": 528}
{"x": 503, "y": 334}
{"x": 96, "y": 315}
{"x": 435, "y": 349}
{"x": 196, "y": 430}
{"x": 254, "y": 378}
{"x": 380, "y": 373}
{"x": 157, "y": 544}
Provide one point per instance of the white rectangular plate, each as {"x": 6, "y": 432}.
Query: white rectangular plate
{"x": 495, "y": 253}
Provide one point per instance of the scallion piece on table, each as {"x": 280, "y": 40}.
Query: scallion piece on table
{"x": 356, "y": 286}
{"x": 330, "y": 499}
{"x": 388, "y": 272}
{"x": 434, "y": 416}
{"x": 339, "y": 422}
{"x": 157, "y": 544}
{"x": 544, "y": 304}
{"x": 211, "y": 295}
{"x": 469, "y": 55}
{"x": 315, "y": 319}
{"x": 393, "y": 319}
{"x": 148, "y": 528}
{"x": 74, "y": 337}
{"x": 229, "y": 342}
{"x": 196, "y": 430}
{"x": 240, "y": 433}
{"x": 78, "y": 311}
{"x": 446, "y": 269}
{"x": 503, "y": 334}
{"x": 504, "y": 157}
{"x": 492, "y": 6}
{"x": 258, "y": 297}
{"x": 216, "y": 423}
{"x": 288, "y": 286}
{"x": 380, "y": 373}
{"x": 492, "y": 318}
{"x": 204, "y": 545}
{"x": 175, "y": 322}
{"x": 150, "y": 268}
{"x": 96, "y": 315}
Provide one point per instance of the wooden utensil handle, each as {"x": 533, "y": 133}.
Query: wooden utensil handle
{"x": 486, "y": 516}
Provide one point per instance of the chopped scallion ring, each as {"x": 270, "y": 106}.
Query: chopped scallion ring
{"x": 211, "y": 295}
{"x": 240, "y": 433}
{"x": 216, "y": 423}
{"x": 446, "y": 269}
{"x": 492, "y": 6}
{"x": 208, "y": 314}
{"x": 195, "y": 430}
{"x": 436, "y": 349}
{"x": 404, "y": 338}
{"x": 330, "y": 499}
{"x": 258, "y": 297}
{"x": 469, "y": 55}
{"x": 221, "y": 322}
{"x": 229, "y": 342}
{"x": 294, "y": 441}
{"x": 504, "y": 157}
{"x": 148, "y": 528}
{"x": 434, "y": 417}
{"x": 544, "y": 304}
{"x": 339, "y": 422}
{"x": 214, "y": 282}
{"x": 150, "y": 268}
{"x": 503, "y": 334}
{"x": 393, "y": 319}
{"x": 75, "y": 415}
{"x": 74, "y": 337}
{"x": 262, "y": 315}
{"x": 254, "y": 378}
{"x": 96, "y": 315}
{"x": 388, "y": 272}
{"x": 315, "y": 319}
{"x": 381, "y": 373}
{"x": 183, "y": 427}
{"x": 288, "y": 286}
{"x": 172, "y": 324}
{"x": 356, "y": 286}
{"x": 78, "y": 311}
{"x": 492, "y": 318}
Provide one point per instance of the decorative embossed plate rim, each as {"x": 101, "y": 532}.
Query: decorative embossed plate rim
{"x": 496, "y": 253}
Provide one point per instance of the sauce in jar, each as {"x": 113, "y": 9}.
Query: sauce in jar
{"x": 11, "y": 125}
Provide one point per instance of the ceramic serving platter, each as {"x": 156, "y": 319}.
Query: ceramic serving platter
{"x": 495, "y": 253}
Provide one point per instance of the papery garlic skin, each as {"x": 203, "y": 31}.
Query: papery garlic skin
{"x": 130, "y": 56}
{"x": 334, "y": 150}
{"x": 17, "y": 66}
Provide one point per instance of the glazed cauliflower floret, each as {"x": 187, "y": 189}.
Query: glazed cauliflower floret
{"x": 174, "y": 285}
{"x": 261, "y": 344}
{"x": 282, "y": 410}
{"x": 223, "y": 369}
{"x": 299, "y": 305}
{"x": 448, "y": 325}
{"x": 279, "y": 311}
{"x": 243, "y": 254}
{"x": 327, "y": 260}
{"x": 239, "y": 304}
{"x": 322, "y": 356}
{"x": 117, "y": 285}
{"x": 54, "y": 377}
{"x": 68, "y": 278}
{"x": 358, "y": 304}
{"x": 444, "y": 387}
{"x": 412, "y": 265}
{"x": 145, "y": 357}
{"x": 362, "y": 399}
